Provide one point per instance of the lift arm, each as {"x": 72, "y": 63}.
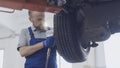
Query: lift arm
{"x": 36, "y": 5}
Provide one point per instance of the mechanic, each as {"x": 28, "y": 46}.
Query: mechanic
{"x": 33, "y": 43}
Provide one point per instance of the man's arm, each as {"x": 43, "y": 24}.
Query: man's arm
{"x": 29, "y": 50}
{"x": 24, "y": 48}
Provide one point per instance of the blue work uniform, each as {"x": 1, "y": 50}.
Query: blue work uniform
{"x": 38, "y": 59}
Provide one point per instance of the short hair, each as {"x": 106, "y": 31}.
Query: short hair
{"x": 30, "y": 12}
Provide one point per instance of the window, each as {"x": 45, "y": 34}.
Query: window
{"x": 1, "y": 58}
{"x": 112, "y": 51}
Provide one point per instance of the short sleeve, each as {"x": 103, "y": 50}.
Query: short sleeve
{"x": 22, "y": 39}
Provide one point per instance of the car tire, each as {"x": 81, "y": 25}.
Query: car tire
{"x": 67, "y": 34}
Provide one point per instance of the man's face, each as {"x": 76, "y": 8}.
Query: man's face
{"x": 37, "y": 19}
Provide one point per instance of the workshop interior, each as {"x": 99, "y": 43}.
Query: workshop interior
{"x": 86, "y": 31}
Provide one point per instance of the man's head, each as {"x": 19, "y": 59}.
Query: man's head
{"x": 37, "y": 19}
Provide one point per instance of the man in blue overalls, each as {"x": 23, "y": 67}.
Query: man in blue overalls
{"x": 34, "y": 43}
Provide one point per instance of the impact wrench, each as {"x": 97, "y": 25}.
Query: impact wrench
{"x": 47, "y": 58}
{"x": 49, "y": 33}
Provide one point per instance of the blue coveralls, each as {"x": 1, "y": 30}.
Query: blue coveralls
{"x": 38, "y": 59}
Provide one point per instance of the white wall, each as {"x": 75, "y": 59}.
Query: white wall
{"x": 100, "y": 56}
{"x": 112, "y": 51}
{"x": 12, "y": 58}
{"x": 1, "y": 58}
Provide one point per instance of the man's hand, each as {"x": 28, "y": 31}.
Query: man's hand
{"x": 49, "y": 42}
